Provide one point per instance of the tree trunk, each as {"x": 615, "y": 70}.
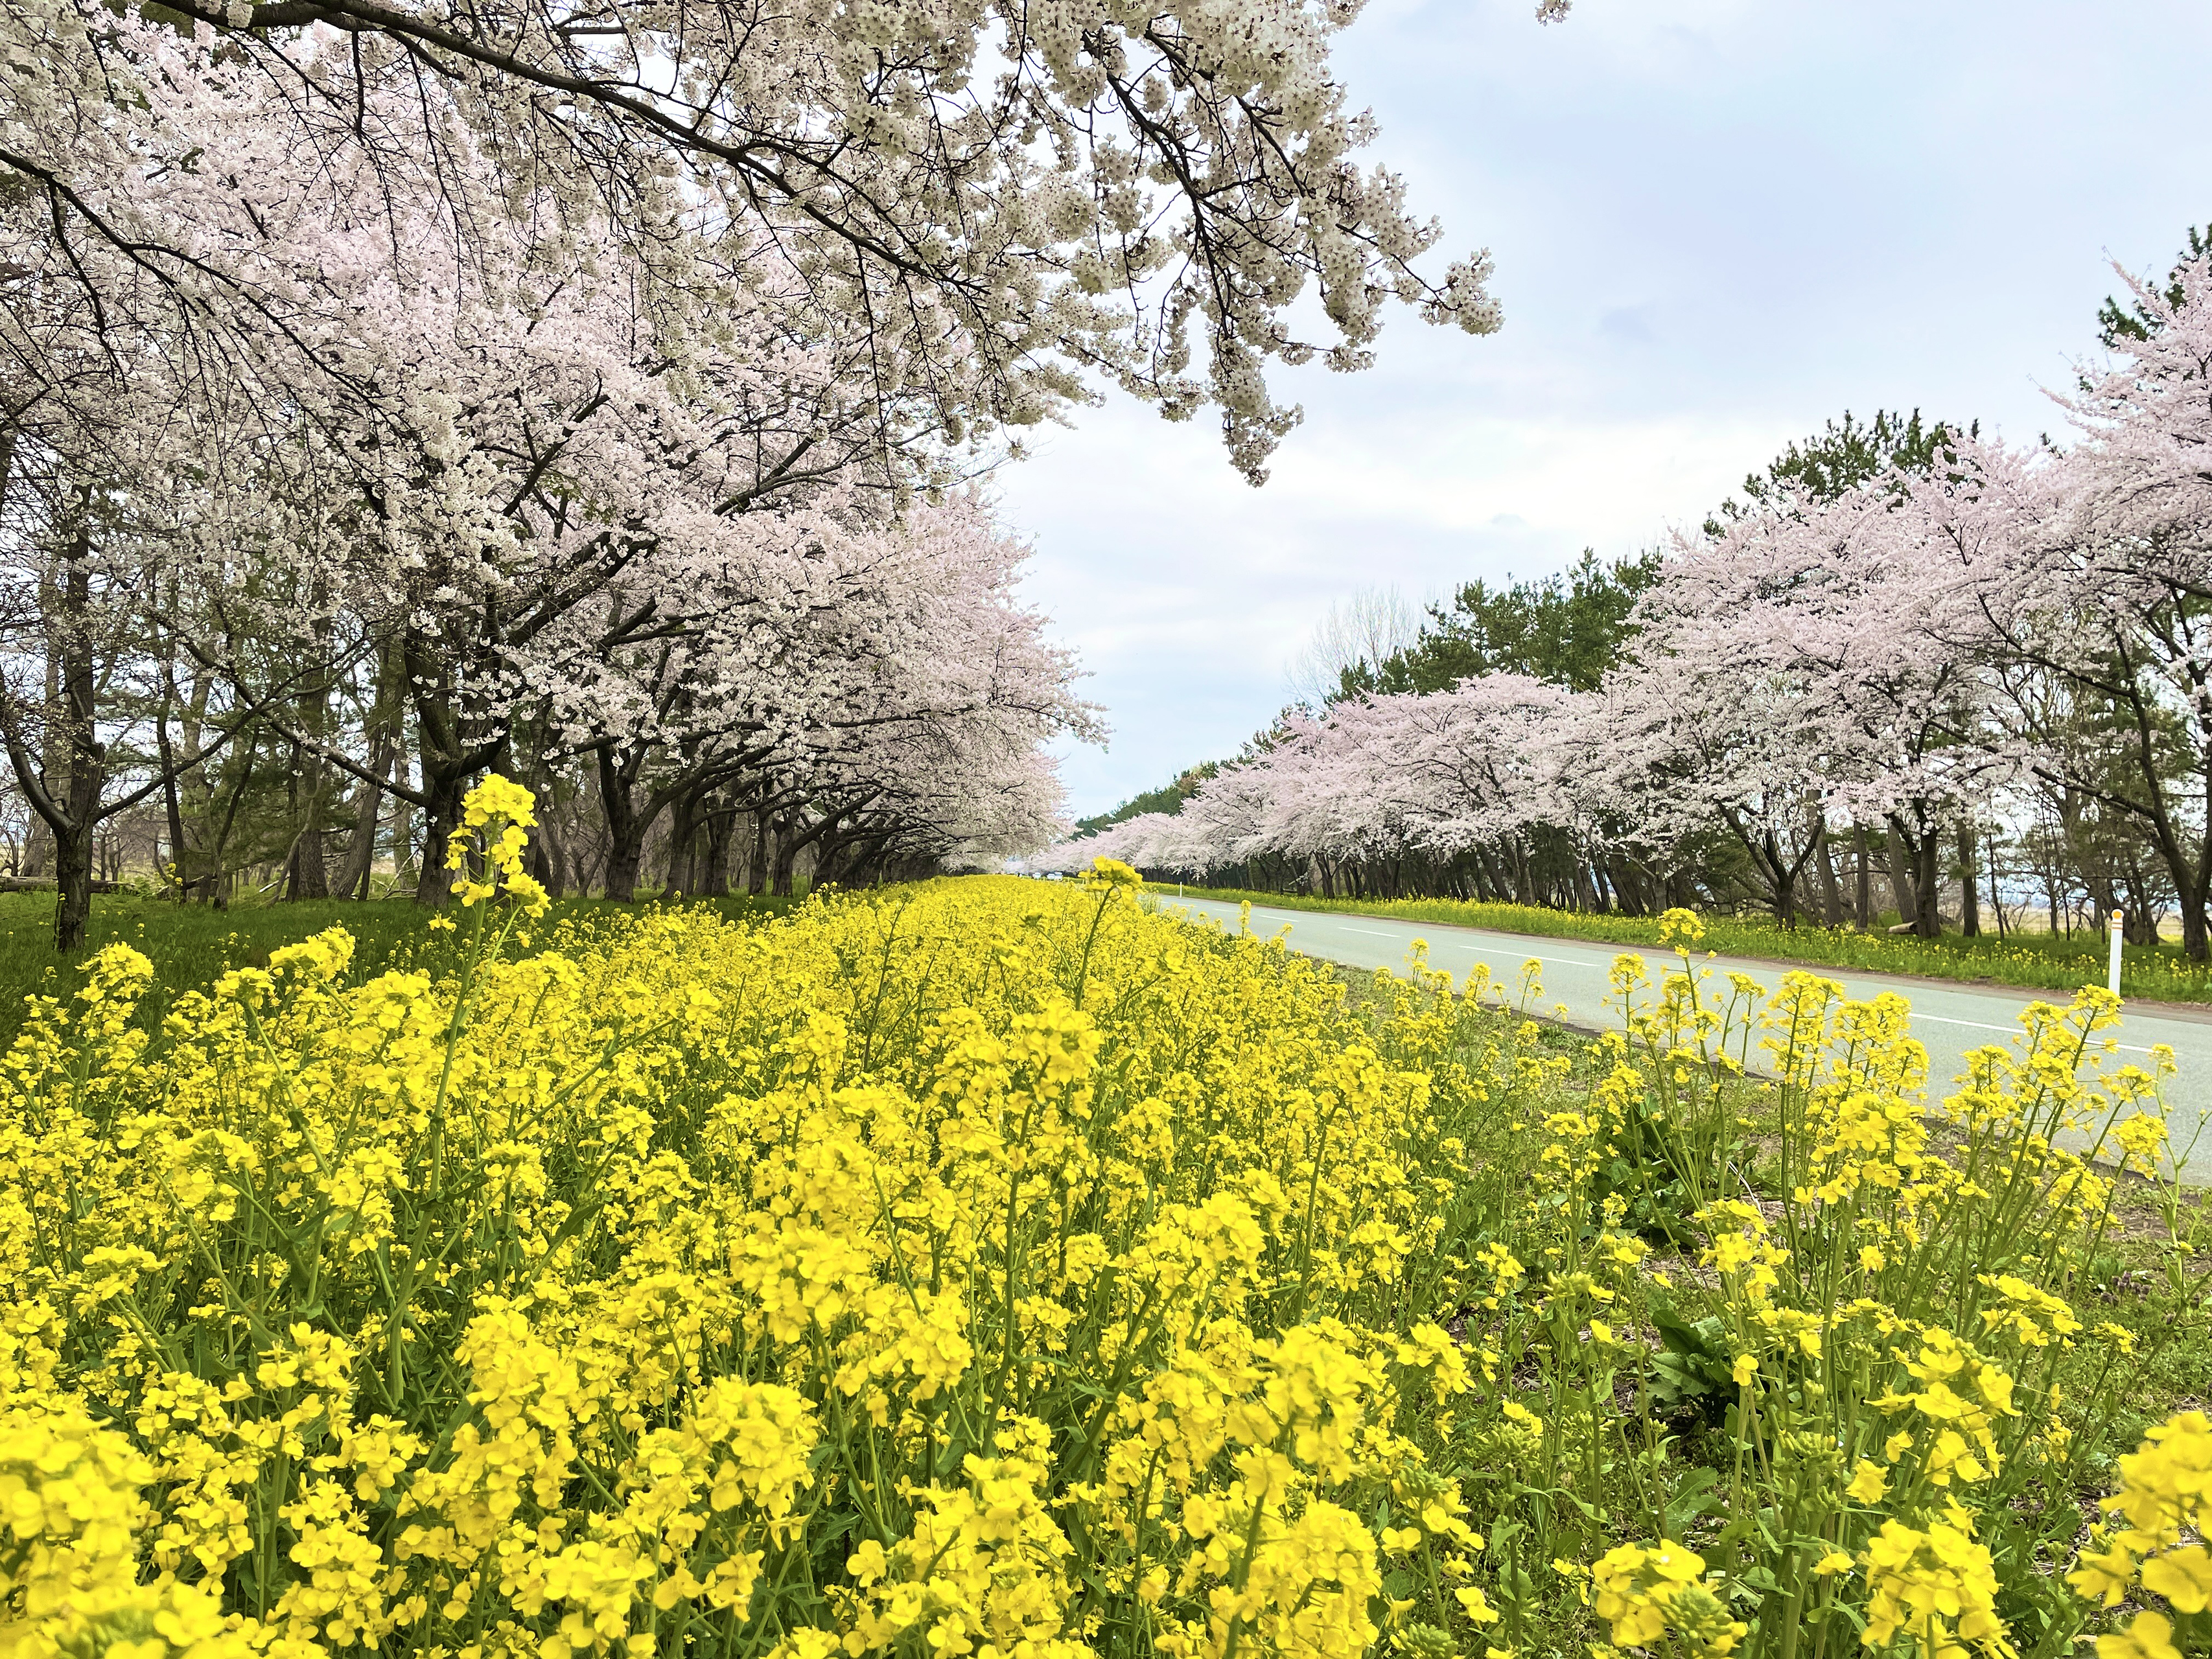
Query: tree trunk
{"x": 1926, "y": 851}
{"x": 786, "y": 858}
{"x": 1584, "y": 899}
{"x": 1785, "y": 891}
{"x": 1970, "y": 898}
{"x": 623, "y": 860}
{"x": 173, "y": 805}
{"x": 448, "y": 760}
{"x": 445, "y": 777}
{"x": 433, "y": 883}
{"x": 40, "y": 850}
{"x": 625, "y": 830}
{"x": 544, "y": 860}
{"x": 2193, "y": 933}
{"x": 683, "y": 832}
{"x": 1997, "y": 888}
{"x": 73, "y": 836}
{"x": 1862, "y": 878}
{"x": 1931, "y": 920}
{"x": 715, "y": 880}
{"x": 358, "y": 868}
{"x": 1831, "y": 896}
{"x": 402, "y": 830}
{"x": 826, "y": 873}
{"x": 756, "y": 871}
{"x": 355, "y": 873}
{"x": 307, "y": 871}
{"x": 1900, "y": 876}
{"x": 197, "y": 796}
{"x": 73, "y": 886}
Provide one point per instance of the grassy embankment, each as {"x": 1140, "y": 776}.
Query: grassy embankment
{"x": 2035, "y": 961}
{"x": 190, "y": 945}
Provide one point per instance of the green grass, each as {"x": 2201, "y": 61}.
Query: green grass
{"x": 2036, "y": 961}
{"x": 190, "y": 945}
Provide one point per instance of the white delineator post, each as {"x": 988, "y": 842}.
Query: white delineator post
{"x": 2112, "y": 974}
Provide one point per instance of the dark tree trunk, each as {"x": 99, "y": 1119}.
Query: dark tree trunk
{"x": 683, "y": 833}
{"x": 73, "y": 886}
{"x": 73, "y": 832}
{"x": 355, "y": 873}
{"x": 1584, "y": 896}
{"x": 786, "y": 858}
{"x": 307, "y": 872}
{"x": 1784, "y": 891}
{"x": 443, "y": 789}
{"x": 1925, "y": 853}
{"x": 307, "y": 875}
{"x": 756, "y": 871}
{"x": 52, "y": 777}
{"x": 449, "y": 758}
{"x": 626, "y": 824}
{"x": 1831, "y": 896}
{"x": 2194, "y": 936}
{"x": 1900, "y": 876}
{"x": 172, "y": 805}
{"x": 445, "y": 773}
{"x": 827, "y": 851}
{"x": 358, "y": 867}
{"x": 543, "y": 862}
{"x": 715, "y": 881}
{"x": 1862, "y": 878}
{"x": 1929, "y": 917}
{"x": 1996, "y": 890}
{"x": 626, "y": 842}
{"x": 1970, "y": 901}
{"x": 623, "y": 859}
{"x": 403, "y": 832}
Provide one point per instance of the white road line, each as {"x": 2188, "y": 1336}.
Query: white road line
{"x": 1451, "y": 944}
{"x": 2009, "y": 1030}
{"x": 1979, "y": 1024}
{"x": 1558, "y": 962}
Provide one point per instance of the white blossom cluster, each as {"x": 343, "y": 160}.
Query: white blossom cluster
{"x": 1010, "y": 201}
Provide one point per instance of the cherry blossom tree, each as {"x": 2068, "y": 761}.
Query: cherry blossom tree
{"x": 1797, "y": 666}
{"x": 844, "y": 674}
{"x": 1005, "y": 203}
{"x": 502, "y": 336}
{"x": 2093, "y": 570}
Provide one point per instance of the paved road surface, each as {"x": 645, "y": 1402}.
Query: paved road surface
{"x": 1949, "y": 1019}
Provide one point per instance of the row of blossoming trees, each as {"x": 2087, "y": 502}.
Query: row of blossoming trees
{"x": 392, "y": 392}
{"x": 1880, "y": 667}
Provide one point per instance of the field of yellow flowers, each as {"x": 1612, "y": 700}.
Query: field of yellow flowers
{"x": 990, "y": 1268}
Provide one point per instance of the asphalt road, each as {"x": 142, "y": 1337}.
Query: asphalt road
{"x": 1948, "y": 1018}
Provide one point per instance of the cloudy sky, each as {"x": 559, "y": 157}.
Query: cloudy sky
{"x": 1717, "y": 223}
